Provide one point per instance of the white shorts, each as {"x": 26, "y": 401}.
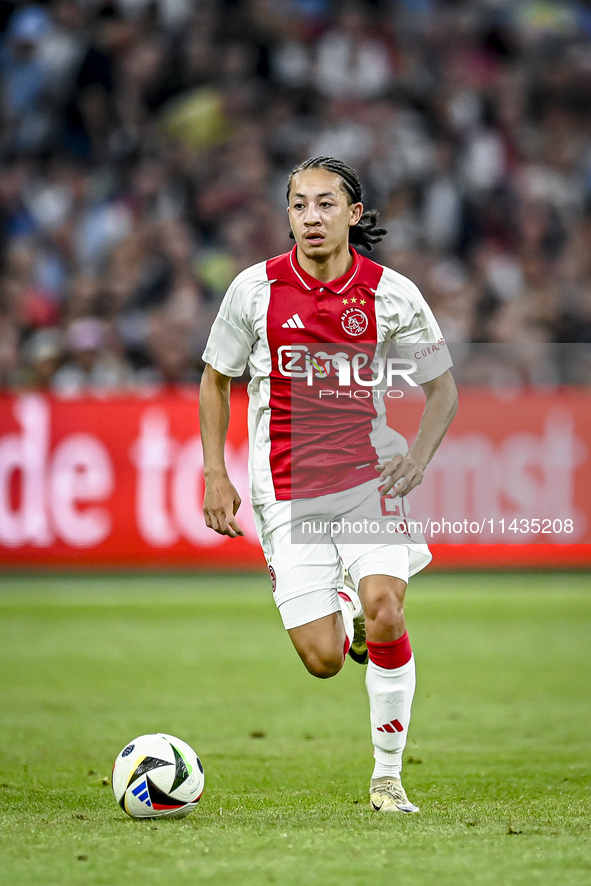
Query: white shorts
{"x": 307, "y": 575}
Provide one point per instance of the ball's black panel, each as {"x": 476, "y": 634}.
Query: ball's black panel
{"x": 160, "y": 800}
{"x": 181, "y": 773}
{"x": 146, "y": 765}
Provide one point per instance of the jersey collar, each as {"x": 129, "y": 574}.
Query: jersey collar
{"x": 341, "y": 284}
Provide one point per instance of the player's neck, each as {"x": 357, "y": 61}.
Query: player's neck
{"x": 327, "y": 267}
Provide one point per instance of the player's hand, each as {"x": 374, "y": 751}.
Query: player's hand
{"x": 220, "y": 505}
{"x": 401, "y": 474}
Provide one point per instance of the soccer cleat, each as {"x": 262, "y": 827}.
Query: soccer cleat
{"x": 358, "y": 649}
{"x": 386, "y": 794}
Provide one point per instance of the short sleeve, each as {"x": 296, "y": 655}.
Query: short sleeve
{"x": 416, "y": 333}
{"x": 231, "y": 338}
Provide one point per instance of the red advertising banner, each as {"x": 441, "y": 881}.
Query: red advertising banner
{"x": 114, "y": 482}
{"x": 118, "y": 482}
{"x": 510, "y": 486}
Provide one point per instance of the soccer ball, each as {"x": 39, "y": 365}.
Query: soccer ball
{"x": 157, "y": 776}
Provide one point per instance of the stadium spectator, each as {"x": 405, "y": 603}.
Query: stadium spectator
{"x": 43, "y": 356}
{"x": 25, "y": 80}
{"x": 9, "y": 363}
{"x": 94, "y": 364}
{"x": 172, "y": 351}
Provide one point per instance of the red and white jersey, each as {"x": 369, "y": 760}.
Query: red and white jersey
{"x": 317, "y": 420}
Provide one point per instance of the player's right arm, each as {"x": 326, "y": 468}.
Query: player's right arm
{"x": 221, "y": 500}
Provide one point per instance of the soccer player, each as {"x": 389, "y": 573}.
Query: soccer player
{"x": 318, "y": 457}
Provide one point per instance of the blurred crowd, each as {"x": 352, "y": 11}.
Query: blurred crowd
{"x": 145, "y": 146}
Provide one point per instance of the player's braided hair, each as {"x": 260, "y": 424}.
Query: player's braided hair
{"x": 365, "y": 233}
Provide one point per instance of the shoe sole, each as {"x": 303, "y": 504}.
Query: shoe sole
{"x": 360, "y": 657}
{"x": 358, "y": 650}
{"x": 380, "y": 808}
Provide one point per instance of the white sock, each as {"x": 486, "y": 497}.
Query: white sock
{"x": 390, "y": 699}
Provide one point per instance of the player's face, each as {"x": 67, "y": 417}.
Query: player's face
{"x": 320, "y": 213}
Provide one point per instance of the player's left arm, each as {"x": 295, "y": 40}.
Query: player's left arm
{"x": 440, "y": 407}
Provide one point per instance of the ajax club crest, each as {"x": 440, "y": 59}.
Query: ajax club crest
{"x": 354, "y": 321}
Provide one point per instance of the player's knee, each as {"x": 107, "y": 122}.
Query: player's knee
{"x": 386, "y": 611}
{"x": 322, "y": 663}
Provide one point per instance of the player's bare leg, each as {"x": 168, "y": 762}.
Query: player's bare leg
{"x": 322, "y": 644}
{"x": 383, "y": 604}
{"x": 390, "y": 682}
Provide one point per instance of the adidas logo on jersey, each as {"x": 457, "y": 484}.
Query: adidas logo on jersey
{"x": 294, "y": 322}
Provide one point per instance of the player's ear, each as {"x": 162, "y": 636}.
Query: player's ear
{"x": 290, "y": 227}
{"x": 356, "y": 213}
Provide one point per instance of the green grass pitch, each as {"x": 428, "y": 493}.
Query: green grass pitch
{"x": 498, "y": 757}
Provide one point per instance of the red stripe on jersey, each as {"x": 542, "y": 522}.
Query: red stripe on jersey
{"x": 320, "y": 442}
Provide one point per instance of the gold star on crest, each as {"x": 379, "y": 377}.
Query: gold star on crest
{"x": 345, "y": 301}
{"x": 362, "y": 302}
{"x": 353, "y": 300}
